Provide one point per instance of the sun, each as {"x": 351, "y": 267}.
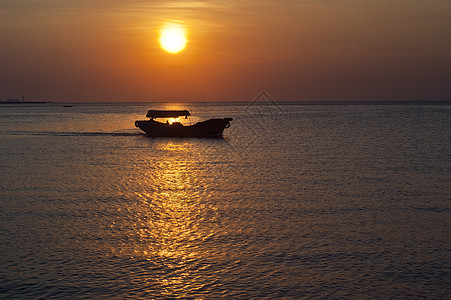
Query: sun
{"x": 173, "y": 39}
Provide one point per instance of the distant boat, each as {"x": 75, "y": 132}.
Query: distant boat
{"x": 212, "y": 128}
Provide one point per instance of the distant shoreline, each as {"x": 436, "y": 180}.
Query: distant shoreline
{"x": 24, "y": 102}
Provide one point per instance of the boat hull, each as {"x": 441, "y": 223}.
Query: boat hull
{"x": 212, "y": 128}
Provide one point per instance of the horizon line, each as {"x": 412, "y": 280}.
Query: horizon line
{"x": 300, "y": 102}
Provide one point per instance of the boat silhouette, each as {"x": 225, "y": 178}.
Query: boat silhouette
{"x": 212, "y": 128}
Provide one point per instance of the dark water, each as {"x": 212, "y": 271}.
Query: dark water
{"x": 295, "y": 202}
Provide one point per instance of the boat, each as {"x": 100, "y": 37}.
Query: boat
{"x": 212, "y": 128}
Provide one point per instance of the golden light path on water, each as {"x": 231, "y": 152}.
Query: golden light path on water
{"x": 169, "y": 219}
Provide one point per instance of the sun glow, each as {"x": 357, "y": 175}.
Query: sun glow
{"x": 173, "y": 39}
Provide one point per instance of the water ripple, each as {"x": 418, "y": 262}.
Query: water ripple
{"x": 323, "y": 202}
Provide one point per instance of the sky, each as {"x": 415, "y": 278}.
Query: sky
{"x": 304, "y": 50}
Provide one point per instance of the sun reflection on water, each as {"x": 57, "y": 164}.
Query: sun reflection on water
{"x": 167, "y": 218}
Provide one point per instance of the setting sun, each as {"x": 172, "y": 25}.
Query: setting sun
{"x": 173, "y": 39}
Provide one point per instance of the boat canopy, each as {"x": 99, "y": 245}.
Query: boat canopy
{"x": 167, "y": 113}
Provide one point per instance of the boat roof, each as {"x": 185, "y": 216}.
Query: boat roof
{"x": 167, "y": 113}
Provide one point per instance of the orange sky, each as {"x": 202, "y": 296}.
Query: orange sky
{"x": 105, "y": 50}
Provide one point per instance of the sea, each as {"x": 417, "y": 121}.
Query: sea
{"x": 296, "y": 201}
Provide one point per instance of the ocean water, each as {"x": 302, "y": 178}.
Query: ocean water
{"x": 296, "y": 201}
